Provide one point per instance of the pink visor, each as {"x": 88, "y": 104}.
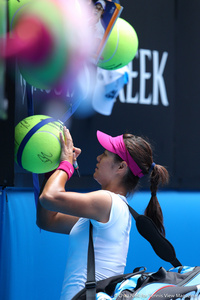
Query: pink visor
{"x": 116, "y": 145}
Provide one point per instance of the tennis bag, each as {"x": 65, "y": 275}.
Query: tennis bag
{"x": 177, "y": 283}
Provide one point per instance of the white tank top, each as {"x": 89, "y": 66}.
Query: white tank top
{"x": 111, "y": 241}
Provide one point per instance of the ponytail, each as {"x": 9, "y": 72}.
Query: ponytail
{"x": 140, "y": 150}
{"x": 159, "y": 175}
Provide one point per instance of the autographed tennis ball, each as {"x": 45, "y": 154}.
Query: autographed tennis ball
{"x": 37, "y": 143}
{"x": 121, "y": 47}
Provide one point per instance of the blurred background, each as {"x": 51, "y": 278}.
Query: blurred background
{"x": 159, "y": 101}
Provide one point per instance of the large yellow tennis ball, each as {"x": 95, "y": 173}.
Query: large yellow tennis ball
{"x": 37, "y": 143}
{"x": 121, "y": 47}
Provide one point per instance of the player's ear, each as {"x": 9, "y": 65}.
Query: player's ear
{"x": 123, "y": 166}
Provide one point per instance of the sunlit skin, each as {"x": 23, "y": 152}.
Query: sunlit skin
{"x": 58, "y": 209}
{"x": 106, "y": 169}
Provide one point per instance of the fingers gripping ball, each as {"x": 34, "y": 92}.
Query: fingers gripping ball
{"x": 121, "y": 47}
{"x": 37, "y": 143}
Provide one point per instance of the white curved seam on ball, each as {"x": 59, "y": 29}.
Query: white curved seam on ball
{"x": 104, "y": 61}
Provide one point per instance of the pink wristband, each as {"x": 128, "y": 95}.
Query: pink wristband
{"x": 67, "y": 167}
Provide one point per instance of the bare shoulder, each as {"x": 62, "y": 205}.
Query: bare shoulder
{"x": 100, "y": 193}
{"x": 100, "y": 197}
{"x": 101, "y": 202}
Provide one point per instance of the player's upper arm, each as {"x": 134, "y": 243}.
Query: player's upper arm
{"x": 93, "y": 205}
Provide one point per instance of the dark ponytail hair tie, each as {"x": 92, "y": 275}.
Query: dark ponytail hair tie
{"x": 152, "y": 167}
{"x": 153, "y": 194}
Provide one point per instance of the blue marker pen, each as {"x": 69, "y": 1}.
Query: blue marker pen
{"x": 76, "y": 167}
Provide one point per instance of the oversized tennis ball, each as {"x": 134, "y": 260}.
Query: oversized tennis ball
{"x": 121, "y": 46}
{"x": 43, "y": 73}
{"x": 50, "y": 39}
{"x": 37, "y": 143}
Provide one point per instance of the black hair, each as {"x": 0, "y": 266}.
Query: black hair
{"x": 141, "y": 152}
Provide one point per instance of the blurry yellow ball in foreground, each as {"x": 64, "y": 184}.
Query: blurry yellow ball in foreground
{"x": 45, "y": 65}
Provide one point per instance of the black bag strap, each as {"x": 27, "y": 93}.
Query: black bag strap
{"x": 90, "y": 283}
{"x": 162, "y": 247}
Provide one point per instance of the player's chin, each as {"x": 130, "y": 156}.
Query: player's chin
{"x": 95, "y": 175}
